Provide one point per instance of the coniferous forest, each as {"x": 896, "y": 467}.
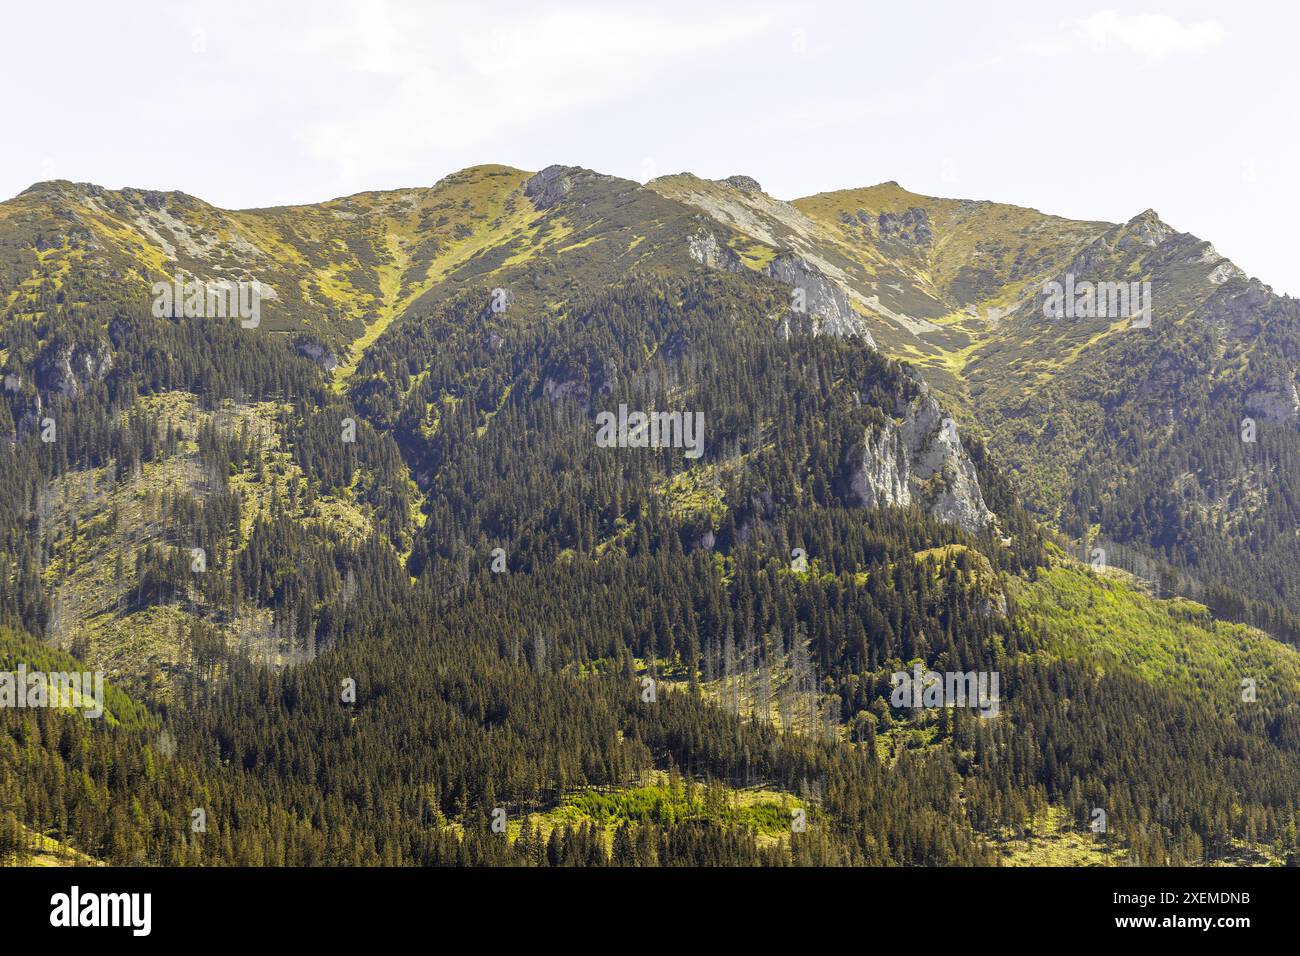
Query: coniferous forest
{"x": 472, "y": 636}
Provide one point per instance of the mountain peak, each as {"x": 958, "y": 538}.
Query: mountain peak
{"x": 746, "y": 184}
{"x": 55, "y": 190}
{"x": 1146, "y": 216}
{"x": 549, "y": 186}
{"x": 60, "y": 188}
{"x": 552, "y": 184}
{"x": 1148, "y": 228}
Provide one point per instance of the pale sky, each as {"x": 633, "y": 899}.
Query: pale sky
{"x": 1092, "y": 112}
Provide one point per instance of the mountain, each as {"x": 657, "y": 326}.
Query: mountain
{"x": 1120, "y": 435}
{"x": 396, "y": 556}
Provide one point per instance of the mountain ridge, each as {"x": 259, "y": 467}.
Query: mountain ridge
{"x": 952, "y": 286}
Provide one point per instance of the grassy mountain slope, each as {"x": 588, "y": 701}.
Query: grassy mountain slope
{"x": 339, "y": 270}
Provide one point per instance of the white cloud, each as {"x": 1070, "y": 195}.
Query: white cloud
{"x": 492, "y": 76}
{"x": 1149, "y": 35}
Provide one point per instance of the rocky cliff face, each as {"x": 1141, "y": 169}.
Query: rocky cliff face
{"x": 708, "y": 252}
{"x": 820, "y": 306}
{"x": 551, "y": 185}
{"x": 582, "y": 385}
{"x": 917, "y": 457}
{"x": 67, "y": 369}
{"x": 1276, "y": 400}
{"x": 317, "y": 352}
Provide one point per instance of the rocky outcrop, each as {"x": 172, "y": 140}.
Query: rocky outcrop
{"x": 580, "y": 385}
{"x": 819, "y": 306}
{"x": 707, "y": 251}
{"x": 1242, "y": 310}
{"x": 1145, "y": 229}
{"x": 1277, "y": 400}
{"x": 68, "y": 369}
{"x": 557, "y": 389}
{"x": 917, "y": 457}
{"x": 746, "y": 184}
{"x": 910, "y": 228}
{"x": 1225, "y": 271}
{"x": 549, "y": 186}
{"x": 318, "y": 353}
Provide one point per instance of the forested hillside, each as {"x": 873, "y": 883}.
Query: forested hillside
{"x": 369, "y": 588}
